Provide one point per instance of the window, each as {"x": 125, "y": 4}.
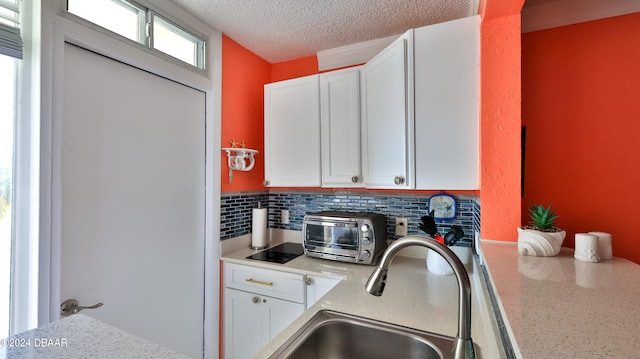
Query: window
{"x": 7, "y": 120}
{"x": 176, "y": 42}
{"x": 121, "y": 17}
{"x": 143, "y": 26}
{"x": 10, "y": 50}
{"x": 10, "y": 39}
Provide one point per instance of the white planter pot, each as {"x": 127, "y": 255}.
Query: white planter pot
{"x": 532, "y": 242}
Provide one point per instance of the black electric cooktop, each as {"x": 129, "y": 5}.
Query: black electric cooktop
{"x": 281, "y": 253}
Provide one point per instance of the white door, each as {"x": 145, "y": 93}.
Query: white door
{"x": 133, "y": 199}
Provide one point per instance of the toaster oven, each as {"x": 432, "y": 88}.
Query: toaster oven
{"x": 345, "y": 236}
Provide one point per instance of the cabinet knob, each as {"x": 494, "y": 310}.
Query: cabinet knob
{"x": 355, "y": 179}
{"x": 255, "y": 299}
{"x": 265, "y": 183}
{"x": 308, "y": 281}
{"x": 398, "y": 180}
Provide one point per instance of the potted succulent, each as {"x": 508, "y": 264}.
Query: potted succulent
{"x": 541, "y": 237}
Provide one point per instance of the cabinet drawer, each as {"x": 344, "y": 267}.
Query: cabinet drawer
{"x": 276, "y": 284}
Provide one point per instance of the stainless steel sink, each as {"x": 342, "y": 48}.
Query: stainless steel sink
{"x": 334, "y": 335}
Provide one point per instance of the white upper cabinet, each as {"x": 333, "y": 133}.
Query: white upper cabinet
{"x": 340, "y": 128}
{"x": 292, "y": 132}
{"x": 387, "y": 117}
{"x": 447, "y": 91}
{"x": 415, "y": 108}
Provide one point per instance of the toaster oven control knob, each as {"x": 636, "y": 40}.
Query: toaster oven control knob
{"x": 366, "y": 241}
{"x": 364, "y": 228}
{"x": 366, "y": 254}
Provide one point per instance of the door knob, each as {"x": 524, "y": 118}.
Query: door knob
{"x": 70, "y": 306}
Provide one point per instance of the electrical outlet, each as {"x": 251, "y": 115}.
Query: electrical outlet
{"x": 401, "y": 226}
{"x": 284, "y": 216}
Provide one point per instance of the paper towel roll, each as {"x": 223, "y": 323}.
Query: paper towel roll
{"x": 586, "y": 248}
{"x": 259, "y": 228}
{"x": 604, "y": 244}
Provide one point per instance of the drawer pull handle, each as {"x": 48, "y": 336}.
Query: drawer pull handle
{"x": 251, "y": 280}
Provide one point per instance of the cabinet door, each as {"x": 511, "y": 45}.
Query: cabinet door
{"x": 252, "y": 320}
{"x": 447, "y": 85}
{"x": 317, "y": 287}
{"x": 340, "y": 128}
{"x": 278, "y": 314}
{"x": 243, "y": 328}
{"x": 292, "y": 132}
{"x": 387, "y": 117}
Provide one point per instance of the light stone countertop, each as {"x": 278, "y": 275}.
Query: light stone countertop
{"x": 559, "y": 307}
{"x": 80, "y": 336}
{"x": 413, "y": 297}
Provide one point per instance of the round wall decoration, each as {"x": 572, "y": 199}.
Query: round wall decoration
{"x": 444, "y": 207}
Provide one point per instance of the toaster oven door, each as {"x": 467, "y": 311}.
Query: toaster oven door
{"x": 340, "y": 238}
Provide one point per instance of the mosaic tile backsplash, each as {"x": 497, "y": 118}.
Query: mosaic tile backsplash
{"x": 235, "y": 213}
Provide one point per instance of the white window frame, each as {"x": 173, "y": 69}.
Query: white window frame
{"x": 25, "y": 251}
{"x": 146, "y": 33}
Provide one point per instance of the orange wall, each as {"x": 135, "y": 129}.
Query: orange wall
{"x": 243, "y": 77}
{"x": 580, "y": 87}
{"x": 500, "y": 119}
{"x": 295, "y": 68}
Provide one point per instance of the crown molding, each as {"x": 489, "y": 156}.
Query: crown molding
{"x": 550, "y": 14}
{"x": 354, "y": 54}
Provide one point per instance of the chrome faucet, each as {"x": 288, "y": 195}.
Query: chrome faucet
{"x": 463, "y": 345}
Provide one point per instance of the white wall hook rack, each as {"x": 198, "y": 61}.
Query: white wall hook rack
{"x": 240, "y": 159}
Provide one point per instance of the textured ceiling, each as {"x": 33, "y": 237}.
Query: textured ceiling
{"x": 279, "y": 30}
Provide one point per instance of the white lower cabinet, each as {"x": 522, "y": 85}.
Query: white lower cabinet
{"x": 253, "y": 320}
{"x": 258, "y": 304}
